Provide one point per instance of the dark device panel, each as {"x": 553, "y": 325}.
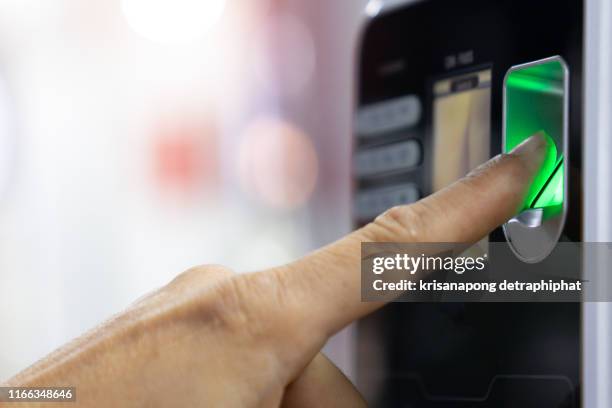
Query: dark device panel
{"x": 429, "y": 110}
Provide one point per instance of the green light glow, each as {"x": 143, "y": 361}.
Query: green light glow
{"x": 527, "y": 82}
{"x": 535, "y": 103}
{"x": 552, "y": 194}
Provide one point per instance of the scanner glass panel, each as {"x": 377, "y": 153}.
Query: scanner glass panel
{"x": 535, "y": 97}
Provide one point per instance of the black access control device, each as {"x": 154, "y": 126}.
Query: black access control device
{"x": 431, "y": 105}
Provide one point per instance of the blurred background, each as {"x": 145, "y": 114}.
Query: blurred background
{"x": 139, "y": 138}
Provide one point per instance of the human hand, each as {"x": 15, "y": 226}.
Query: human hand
{"x": 214, "y": 338}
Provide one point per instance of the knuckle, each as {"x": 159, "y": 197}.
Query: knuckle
{"x": 227, "y": 301}
{"x": 243, "y": 304}
{"x": 263, "y": 307}
{"x": 406, "y": 223}
{"x": 202, "y": 274}
{"x": 260, "y": 309}
{"x": 258, "y": 312}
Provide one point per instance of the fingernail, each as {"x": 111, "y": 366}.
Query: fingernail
{"x": 535, "y": 150}
{"x": 531, "y": 145}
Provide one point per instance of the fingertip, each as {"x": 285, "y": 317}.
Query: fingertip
{"x": 533, "y": 150}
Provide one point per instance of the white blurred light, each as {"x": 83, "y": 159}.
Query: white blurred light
{"x": 172, "y": 21}
{"x": 7, "y": 139}
{"x": 291, "y": 52}
{"x": 373, "y": 8}
{"x": 278, "y": 163}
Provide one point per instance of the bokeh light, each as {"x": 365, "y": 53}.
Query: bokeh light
{"x": 373, "y": 7}
{"x": 172, "y": 21}
{"x": 291, "y": 53}
{"x": 185, "y": 156}
{"x": 278, "y": 164}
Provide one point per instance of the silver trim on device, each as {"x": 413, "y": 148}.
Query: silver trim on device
{"x": 597, "y": 204}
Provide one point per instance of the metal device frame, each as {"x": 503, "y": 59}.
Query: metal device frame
{"x": 597, "y": 193}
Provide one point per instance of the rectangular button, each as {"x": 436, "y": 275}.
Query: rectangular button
{"x": 388, "y": 116}
{"x": 397, "y": 156}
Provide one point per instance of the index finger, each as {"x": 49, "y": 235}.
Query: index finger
{"x": 328, "y": 281}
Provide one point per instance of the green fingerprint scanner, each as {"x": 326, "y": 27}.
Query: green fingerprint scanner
{"x": 536, "y": 100}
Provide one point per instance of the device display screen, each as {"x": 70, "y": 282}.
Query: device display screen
{"x": 461, "y": 126}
